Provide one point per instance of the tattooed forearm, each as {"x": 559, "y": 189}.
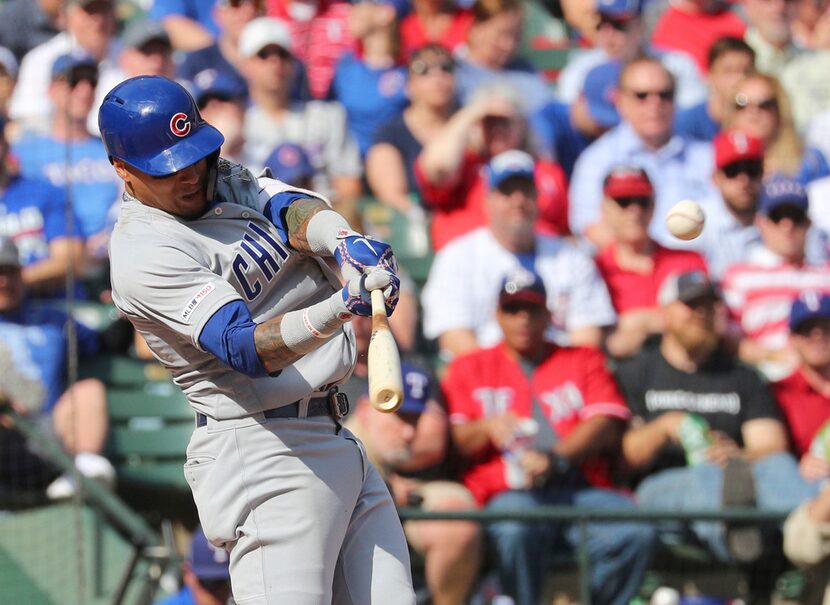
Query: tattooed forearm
{"x": 297, "y": 216}
{"x": 271, "y": 347}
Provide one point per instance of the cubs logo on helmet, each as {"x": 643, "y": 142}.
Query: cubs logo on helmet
{"x": 180, "y": 125}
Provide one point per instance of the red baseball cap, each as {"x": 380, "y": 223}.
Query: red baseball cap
{"x": 625, "y": 181}
{"x": 734, "y": 146}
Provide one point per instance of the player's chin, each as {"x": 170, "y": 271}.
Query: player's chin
{"x": 192, "y": 206}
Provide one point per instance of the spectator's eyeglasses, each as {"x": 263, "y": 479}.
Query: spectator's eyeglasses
{"x": 640, "y": 200}
{"x": 796, "y": 215}
{"x": 214, "y": 585}
{"x": 666, "y": 95}
{"x": 806, "y": 327}
{"x": 753, "y": 170}
{"x": 619, "y": 26}
{"x": 422, "y": 68}
{"x": 274, "y": 51}
{"x": 743, "y": 102}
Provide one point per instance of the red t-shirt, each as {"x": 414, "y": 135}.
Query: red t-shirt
{"x": 459, "y": 208}
{"x": 805, "y": 409}
{"x": 631, "y": 290}
{"x": 694, "y": 33}
{"x": 414, "y": 36}
{"x": 571, "y": 385}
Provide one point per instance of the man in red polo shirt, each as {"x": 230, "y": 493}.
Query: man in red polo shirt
{"x": 537, "y": 424}
{"x": 804, "y": 395}
{"x": 632, "y": 264}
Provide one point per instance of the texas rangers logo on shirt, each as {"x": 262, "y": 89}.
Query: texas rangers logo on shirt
{"x": 180, "y": 125}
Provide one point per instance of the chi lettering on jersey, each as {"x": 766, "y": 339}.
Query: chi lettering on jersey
{"x": 261, "y": 259}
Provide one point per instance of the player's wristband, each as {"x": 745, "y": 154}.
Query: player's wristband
{"x": 306, "y": 329}
{"x": 325, "y": 230}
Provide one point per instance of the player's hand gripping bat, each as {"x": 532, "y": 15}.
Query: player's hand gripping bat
{"x": 384, "y": 363}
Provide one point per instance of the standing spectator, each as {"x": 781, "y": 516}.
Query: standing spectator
{"x": 205, "y": 574}
{"x": 441, "y": 22}
{"x": 221, "y": 101}
{"x": 761, "y": 108}
{"x": 804, "y": 395}
{"x": 319, "y": 127}
{"x": 579, "y": 415}
{"x": 760, "y": 290}
{"x": 691, "y": 381}
{"x": 390, "y": 163}
{"x": 409, "y": 449}
{"x": 678, "y": 168}
{"x": 90, "y": 30}
{"x": 449, "y": 169}
{"x": 620, "y": 38}
{"x": 189, "y": 23}
{"x": 491, "y": 55}
{"x": 730, "y": 60}
{"x": 633, "y": 265}
{"x": 807, "y": 544}
{"x": 770, "y": 33}
{"x": 461, "y": 293}
{"x": 693, "y": 27}
{"x": 565, "y": 130}
{"x": 25, "y": 24}
{"x": 370, "y": 82}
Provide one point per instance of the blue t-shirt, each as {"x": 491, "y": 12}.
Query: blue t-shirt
{"x": 813, "y": 166}
{"x": 395, "y": 132}
{"x": 200, "y": 11}
{"x": 557, "y": 136}
{"x": 33, "y": 213}
{"x": 696, "y": 123}
{"x": 370, "y": 96}
{"x": 36, "y": 338}
{"x": 183, "y": 597}
{"x": 94, "y": 184}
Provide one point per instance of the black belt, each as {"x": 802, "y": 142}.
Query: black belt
{"x": 334, "y": 404}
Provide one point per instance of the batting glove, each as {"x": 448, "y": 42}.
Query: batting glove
{"x": 356, "y": 253}
{"x": 357, "y": 297}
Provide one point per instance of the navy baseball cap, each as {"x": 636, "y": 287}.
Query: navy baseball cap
{"x": 686, "y": 287}
{"x": 508, "y": 164}
{"x": 522, "y": 285}
{"x": 212, "y": 83}
{"x": 289, "y": 163}
{"x": 619, "y": 10}
{"x": 782, "y": 191}
{"x": 66, "y": 64}
{"x": 416, "y": 389}
{"x": 207, "y": 561}
{"x": 809, "y": 305}
{"x": 598, "y": 89}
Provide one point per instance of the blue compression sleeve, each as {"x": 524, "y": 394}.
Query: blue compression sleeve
{"x": 278, "y": 205}
{"x": 229, "y": 334}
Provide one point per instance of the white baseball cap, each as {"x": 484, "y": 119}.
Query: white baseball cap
{"x": 262, "y": 32}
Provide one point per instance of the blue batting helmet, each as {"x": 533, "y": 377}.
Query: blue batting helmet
{"x": 152, "y": 123}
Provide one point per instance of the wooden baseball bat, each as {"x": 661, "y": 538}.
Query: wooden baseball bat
{"x": 384, "y": 363}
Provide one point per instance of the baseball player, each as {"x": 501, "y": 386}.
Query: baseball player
{"x": 226, "y": 277}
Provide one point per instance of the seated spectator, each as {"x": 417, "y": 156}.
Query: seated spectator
{"x": 25, "y": 24}
{"x": 370, "y": 81}
{"x": 449, "y": 169}
{"x": 189, "y": 23}
{"x": 494, "y": 397}
{"x": 409, "y": 449}
{"x": 289, "y": 163}
{"x": 390, "y": 162}
{"x": 693, "y": 27}
{"x": 619, "y": 38}
{"x": 760, "y": 290}
{"x": 706, "y": 431}
{"x": 272, "y": 118}
{"x": 807, "y": 545}
{"x": 730, "y": 60}
{"x": 761, "y": 108}
{"x": 36, "y": 344}
{"x": 565, "y": 130}
{"x": 221, "y": 101}
{"x": 769, "y": 33}
{"x": 205, "y": 575}
{"x": 633, "y": 265}
{"x": 491, "y": 55}
{"x": 678, "y": 168}
{"x": 33, "y": 214}
{"x": 810, "y": 26}
{"x": 461, "y": 293}
{"x": 441, "y": 22}
{"x": 804, "y": 395}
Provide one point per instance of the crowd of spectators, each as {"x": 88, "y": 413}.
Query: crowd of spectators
{"x": 564, "y": 348}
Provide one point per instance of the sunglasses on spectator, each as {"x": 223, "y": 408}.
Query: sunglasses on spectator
{"x": 701, "y": 302}
{"x": 517, "y": 306}
{"x": 640, "y": 200}
{"x": 9, "y": 269}
{"x": 234, "y": 3}
{"x": 753, "y": 170}
{"x": 796, "y": 215}
{"x": 743, "y": 102}
{"x": 421, "y": 68}
{"x": 619, "y": 26}
{"x": 274, "y": 51}
{"x": 76, "y": 78}
{"x": 806, "y": 327}
{"x": 214, "y": 585}
{"x": 666, "y": 95}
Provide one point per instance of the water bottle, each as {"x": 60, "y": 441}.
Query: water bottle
{"x": 695, "y": 437}
{"x": 820, "y": 446}
{"x": 520, "y": 441}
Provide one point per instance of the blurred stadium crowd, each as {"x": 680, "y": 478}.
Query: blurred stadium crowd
{"x": 562, "y": 348}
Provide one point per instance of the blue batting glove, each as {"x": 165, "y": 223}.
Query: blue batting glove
{"x": 356, "y": 253}
{"x": 357, "y": 297}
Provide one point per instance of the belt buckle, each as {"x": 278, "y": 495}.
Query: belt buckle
{"x": 338, "y": 403}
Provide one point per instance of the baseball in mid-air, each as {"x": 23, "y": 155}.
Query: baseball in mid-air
{"x": 685, "y": 220}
